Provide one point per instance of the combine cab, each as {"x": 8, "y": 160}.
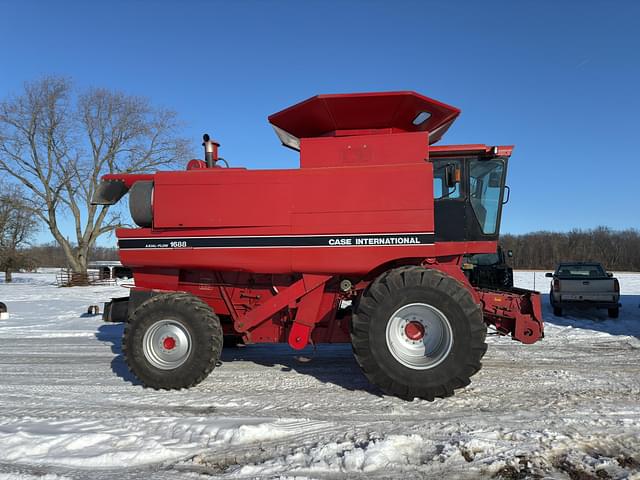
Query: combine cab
{"x": 364, "y": 243}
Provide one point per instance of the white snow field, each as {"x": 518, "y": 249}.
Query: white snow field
{"x": 566, "y": 407}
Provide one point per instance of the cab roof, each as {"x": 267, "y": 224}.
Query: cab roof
{"x": 358, "y": 113}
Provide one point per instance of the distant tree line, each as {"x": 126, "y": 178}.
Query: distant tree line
{"x": 52, "y": 255}
{"x": 615, "y": 249}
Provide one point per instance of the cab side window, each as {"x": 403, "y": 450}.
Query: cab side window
{"x": 441, "y": 170}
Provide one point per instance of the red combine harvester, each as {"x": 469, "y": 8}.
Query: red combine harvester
{"x": 362, "y": 244}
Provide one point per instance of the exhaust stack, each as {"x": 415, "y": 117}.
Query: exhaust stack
{"x": 210, "y": 151}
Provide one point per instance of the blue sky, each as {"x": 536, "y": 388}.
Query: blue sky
{"x": 560, "y": 80}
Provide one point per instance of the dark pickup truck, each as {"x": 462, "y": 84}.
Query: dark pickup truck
{"x": 584, "y": 285}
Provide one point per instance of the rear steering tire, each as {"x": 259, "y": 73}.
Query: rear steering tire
{"x": 172, "y": 341}
{"x": 418, "y": 333}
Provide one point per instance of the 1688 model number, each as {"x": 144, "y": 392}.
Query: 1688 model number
{"x": 178, "y": 244}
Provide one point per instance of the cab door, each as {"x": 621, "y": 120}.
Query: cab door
{"x": 449, "y": 200}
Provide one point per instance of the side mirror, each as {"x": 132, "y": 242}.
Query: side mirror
{"x": 509, "y": 253}
{"x": 609, "y": 274}
{"x": 549, "y": 275}
{"x": 452, "y": 175}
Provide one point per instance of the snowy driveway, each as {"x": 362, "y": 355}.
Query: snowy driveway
{"x": 565, "y": 407}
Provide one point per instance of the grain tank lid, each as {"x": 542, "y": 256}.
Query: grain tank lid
{"x": 344, "y": 114}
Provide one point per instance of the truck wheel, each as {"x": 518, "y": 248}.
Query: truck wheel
{"x": 614, "y": 312}
{"x": 418, "y": 333}
{"x": 172, "y": 341}
{"x": 557, "y": 311}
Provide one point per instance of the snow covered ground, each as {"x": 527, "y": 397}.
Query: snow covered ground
{"x": 566, "y": 407}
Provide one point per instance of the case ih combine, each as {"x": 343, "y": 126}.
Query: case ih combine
{"x": 362, "y": 244}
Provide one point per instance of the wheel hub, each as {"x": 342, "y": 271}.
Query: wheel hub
{"x": 167, "y": 344}
{"x": 419, "y": 336}
{"x": 414, "y": 330}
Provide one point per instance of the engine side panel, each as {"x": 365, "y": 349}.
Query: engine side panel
{"x": 318, "y": 220}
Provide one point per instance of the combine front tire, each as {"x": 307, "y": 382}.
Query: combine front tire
{"x": 172, "y": 341}
{"x": 418, "y": 333}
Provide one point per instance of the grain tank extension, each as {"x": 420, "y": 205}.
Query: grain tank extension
{"x": 361, "y": 244}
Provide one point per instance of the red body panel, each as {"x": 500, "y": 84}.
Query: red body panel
{"x": 305, "y": 202}
{"x": 378, "y": 149}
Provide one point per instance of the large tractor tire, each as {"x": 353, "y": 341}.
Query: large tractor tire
{"x": 172, "y": 341}
{"x": 418, "y": 333}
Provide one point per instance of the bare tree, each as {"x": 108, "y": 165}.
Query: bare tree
{"x": 58, "y": 145}
{"x": 17, "y": 225}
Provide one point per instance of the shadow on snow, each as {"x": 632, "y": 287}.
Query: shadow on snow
{"x": 112, "y": 333}
{"x": 328, "y": 363}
